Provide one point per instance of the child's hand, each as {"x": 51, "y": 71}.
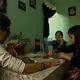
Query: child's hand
{"x": 64, "y": 56}
{"x": 61, "y": 41}
{"x": 54, "y": 62}
{"x": 50, "y": 53}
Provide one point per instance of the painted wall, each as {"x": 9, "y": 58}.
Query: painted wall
{"x": 61, "y": 20}
{"x": 58, "y": 22}
{"x": 30, "y": 22}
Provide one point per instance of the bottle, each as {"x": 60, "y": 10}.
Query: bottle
{"x": 37, "y": 44}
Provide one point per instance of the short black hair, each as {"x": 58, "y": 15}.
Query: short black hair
{"x": 4, "y": 21}
{"x": 60, "y": 33}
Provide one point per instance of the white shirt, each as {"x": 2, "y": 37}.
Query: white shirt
{"x": 10, "y": 62}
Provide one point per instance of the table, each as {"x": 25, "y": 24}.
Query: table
{"x": 53, "y": 73}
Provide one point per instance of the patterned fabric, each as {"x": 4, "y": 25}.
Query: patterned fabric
{"x": 10, "y": 62}
{"x": 75, "y": 74}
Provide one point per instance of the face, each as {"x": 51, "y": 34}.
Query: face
{"x": 4, "y": 34}
{"x": 72, "y": 38}
{"x": 58, "y": 36}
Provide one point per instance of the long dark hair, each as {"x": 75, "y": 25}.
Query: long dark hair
{"x": 75, "y": 30}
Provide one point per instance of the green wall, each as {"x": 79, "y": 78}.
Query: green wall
{"x": 61, "y": 20}
{"x": 58, "y": 22}
{"x": 30, "y": 22}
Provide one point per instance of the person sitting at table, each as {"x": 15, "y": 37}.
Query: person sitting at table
{"x": 12, "y": 63}
{"x": 58, "y": 43}
{"x": 74, "y": 35}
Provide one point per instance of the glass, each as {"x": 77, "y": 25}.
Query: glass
{"x": 50, "y": 47}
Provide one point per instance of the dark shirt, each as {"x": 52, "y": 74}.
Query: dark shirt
{"x": 56, "y": 45}
{"x": 75, "y": 60}
{"x": 67, "y": 49}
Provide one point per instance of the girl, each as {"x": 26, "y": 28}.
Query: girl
{"x": 74, "y": 35}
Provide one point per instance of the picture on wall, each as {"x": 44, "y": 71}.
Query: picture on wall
{"x": 72, "y": 11}
{"x": 32, "y": 3}
{"x": 3, "y": 6}
{"x": 21, "y": 5}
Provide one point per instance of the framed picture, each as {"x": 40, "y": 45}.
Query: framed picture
{"x": 32, "y": 3}
{"x": 21, "y": 5}
{"x": 3, "y": 6}
{"x": 72, "y": 11}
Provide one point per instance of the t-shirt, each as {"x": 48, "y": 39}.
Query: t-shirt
{"x": 57, "y": 45}
{"x": 9, "y": 62}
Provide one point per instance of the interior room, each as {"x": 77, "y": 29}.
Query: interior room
{"x": 39, "y": 40}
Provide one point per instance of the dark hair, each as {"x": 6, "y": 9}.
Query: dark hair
{"x": 4, "y": 21}
{"x": 75, "y": 30}
{"x": 60, "y": 33}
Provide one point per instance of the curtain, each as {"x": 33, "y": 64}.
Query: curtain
{"x": 48, "y": 13}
